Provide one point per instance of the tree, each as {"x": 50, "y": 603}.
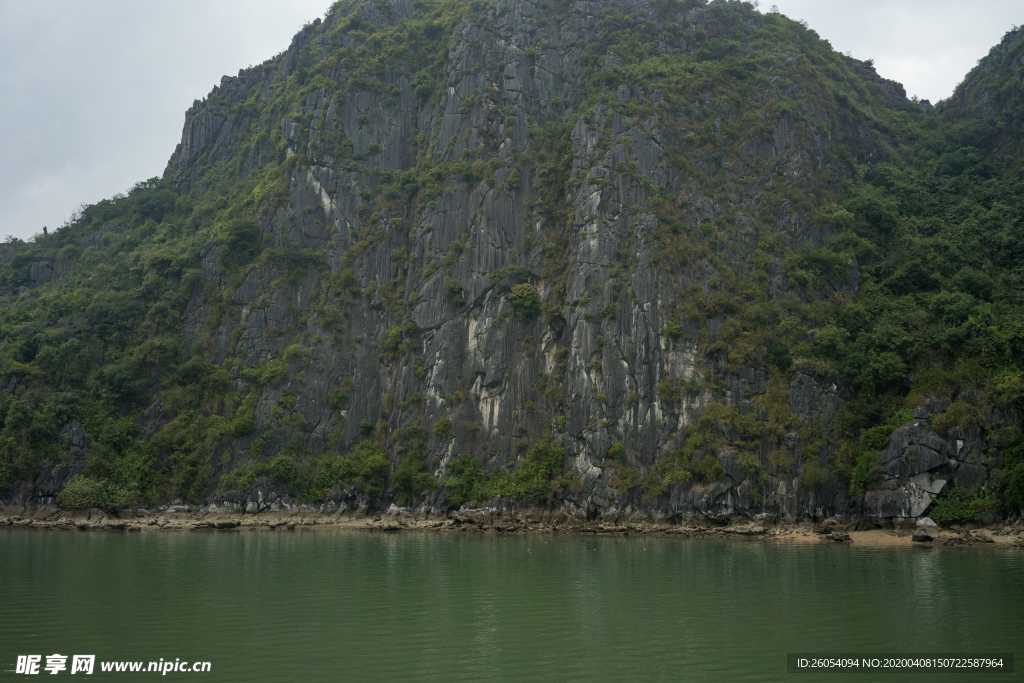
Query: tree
{"x": 525, "y": 301}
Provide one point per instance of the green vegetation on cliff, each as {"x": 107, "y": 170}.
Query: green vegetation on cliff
{"x": 307, "y": 293}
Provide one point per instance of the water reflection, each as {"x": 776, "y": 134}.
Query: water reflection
{"x": 316, "y": 605}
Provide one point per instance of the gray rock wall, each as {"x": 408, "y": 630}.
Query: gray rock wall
{"x": 586, "y": 374}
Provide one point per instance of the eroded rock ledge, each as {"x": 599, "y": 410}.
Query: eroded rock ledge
{"x": 490, "y": 520}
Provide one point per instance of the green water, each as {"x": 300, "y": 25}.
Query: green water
{"x": 346, "y": 605}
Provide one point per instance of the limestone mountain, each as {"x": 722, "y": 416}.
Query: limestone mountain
{"x": 660, "y": 258}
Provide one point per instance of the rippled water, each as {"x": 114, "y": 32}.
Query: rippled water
{"x": 346, "y": 605}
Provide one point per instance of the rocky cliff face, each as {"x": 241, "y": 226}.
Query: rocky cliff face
{"x": 989, "y": 99}
{"x": 587, "y": 376}
{"x": 541, "y": 237}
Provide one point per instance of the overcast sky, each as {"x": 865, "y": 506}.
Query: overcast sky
{"x": 95, "y": 91}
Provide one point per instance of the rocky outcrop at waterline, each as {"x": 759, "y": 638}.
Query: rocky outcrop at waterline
{"x": 210, "y": 519}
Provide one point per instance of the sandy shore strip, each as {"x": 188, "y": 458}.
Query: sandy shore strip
{"x": 992, "y": 536}
{"x": 1003, "y": 536}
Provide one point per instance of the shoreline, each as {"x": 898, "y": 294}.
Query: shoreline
{"x": 53, "y": 519}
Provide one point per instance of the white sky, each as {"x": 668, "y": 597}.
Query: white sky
{"x": 95, "y": 91}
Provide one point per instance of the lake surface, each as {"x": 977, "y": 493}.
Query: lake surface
{"x": 333, "y": 605}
